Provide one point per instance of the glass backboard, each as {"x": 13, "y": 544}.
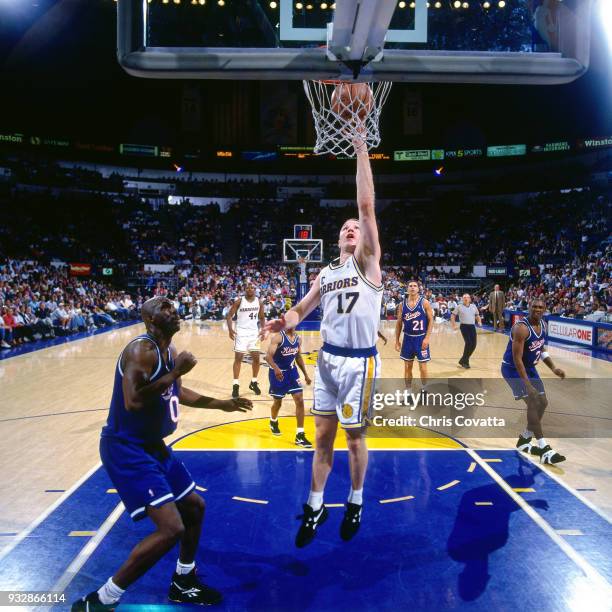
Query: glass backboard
{"x": 513, "y": 41}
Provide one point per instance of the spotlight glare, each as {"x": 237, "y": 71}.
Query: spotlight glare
{"x": 438, "y": 5}
{"x": 486, "y": 5}
{"x": 273, "y": 5}
{"x": 466, "y": 5}
{"x": 323, "y": 6}
{"x": 221, "y": 2}
{"x": 501, "y": 3}
{"x": 299, "y": 6}
{"x": 457, "y": 4}
{"x": 402, "y": 4}
{"x": 309, "y": 7}
{"x": 605, "y": 8}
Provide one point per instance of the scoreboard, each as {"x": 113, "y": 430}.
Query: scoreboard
{"x": 302, "y": 232}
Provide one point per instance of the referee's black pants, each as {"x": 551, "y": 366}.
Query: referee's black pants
{"x": 469, "y": 337}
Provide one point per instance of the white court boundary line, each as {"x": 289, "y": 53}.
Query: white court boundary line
{"x": 589, "y": 571}
{"x": 26, "y": 532}
{"x": 82, "y": 557}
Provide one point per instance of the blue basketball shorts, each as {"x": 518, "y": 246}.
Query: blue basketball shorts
{"x": 144, "y": 478}
{"x": 516, "y": 383}
{"x": 289, "y": 385}
{"x": 412, "y": 346}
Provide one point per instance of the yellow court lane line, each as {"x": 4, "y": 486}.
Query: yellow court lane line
{"x": 523, "y": 490}
{"x": 492, "y": 460}
{"x": 483, "y": 503}
{"x": 252, "y": 501}
{"x": 448, "y": 485}
{"x": 334, "y": 505}
{"x": 111, "y": 490}
{"x": 198, "y": 488}
{"x": 82, "y": 534}
{"x": 396, "y": 499}
{"x": 472, "y": 466}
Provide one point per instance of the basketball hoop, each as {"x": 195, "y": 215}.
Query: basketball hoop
{"x": 343, "y": 114}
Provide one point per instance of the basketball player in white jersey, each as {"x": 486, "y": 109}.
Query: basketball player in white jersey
{"x": 249, "y": 313}
{"x": 350, "y": 293}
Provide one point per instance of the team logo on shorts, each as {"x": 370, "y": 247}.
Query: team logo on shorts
{"x": 347, "y": 411}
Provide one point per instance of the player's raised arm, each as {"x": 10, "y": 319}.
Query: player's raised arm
{"x": 367, "y": 252}
{"x": 231, "y": 313}
{"x": 296, "y": 314}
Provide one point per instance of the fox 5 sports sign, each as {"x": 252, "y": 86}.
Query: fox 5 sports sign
{"x": 571, "y": 332}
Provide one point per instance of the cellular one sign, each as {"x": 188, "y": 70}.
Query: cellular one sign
{"x": 572, "y": 332}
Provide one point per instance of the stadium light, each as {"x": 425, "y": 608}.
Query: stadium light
{"x": 605, "y": 10}
{"x": 299, "y": 6}
{"x": 457, "y": 4}
{"x": 466, "y": 5}
{"x": 273, "y": 5}
{"x": 323, "y": 6}
{"x": 486, "y": 5}
{"x": 402, "y": 4}
{"x": 501, "y": 3}
{"x": 438, "y": 5}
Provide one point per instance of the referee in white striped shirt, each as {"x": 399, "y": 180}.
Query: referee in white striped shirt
{"x": 468, "y": 317}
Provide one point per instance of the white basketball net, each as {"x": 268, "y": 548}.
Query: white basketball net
{"x": 337, "y": 129}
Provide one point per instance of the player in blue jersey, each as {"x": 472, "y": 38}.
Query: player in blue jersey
{"x": 150, "y": 480}
{"x": 415, "y": 319}
{"x": 526, "y": 347}
{"x": 284, "y": 352}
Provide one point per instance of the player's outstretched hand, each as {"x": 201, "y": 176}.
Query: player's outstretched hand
{"x": 235, "y": 405}
{"x": 184, "y": 362}
{"x": 559, "y": 372}
{"x": 273, "y": 327}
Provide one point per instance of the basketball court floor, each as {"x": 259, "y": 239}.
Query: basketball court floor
{"x": 448, "y": 523}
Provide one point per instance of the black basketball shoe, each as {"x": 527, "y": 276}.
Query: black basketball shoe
{"x": 547, "y": 455}
{"x": 236, "y": 391}
{"x": 92, "y": 603}
{"x": 310, "y": 521}
{"x": 186, "y": 588}
{"x": 351, "y": 521}
{"x": 524, "y": 444}
{"x": 274, "y": 428}
{"x": 254, "y": 387}
{"x": 302, "y": 440}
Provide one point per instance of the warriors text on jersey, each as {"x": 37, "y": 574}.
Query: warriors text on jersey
{"x": 247, "y": 316}
{"x": 154, "y": 421}
{"x": 415, "y": 319}
{"x": 284, "y": 356}
{"x": 350, "y": 304}
{"x": 533, "y": 346}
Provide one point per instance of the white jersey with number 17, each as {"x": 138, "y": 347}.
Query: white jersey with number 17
{"x": 350, "y": 304}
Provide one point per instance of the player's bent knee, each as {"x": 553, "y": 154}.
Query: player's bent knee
{"x": 173, "y": 530}
{"x": 543, "y": 402}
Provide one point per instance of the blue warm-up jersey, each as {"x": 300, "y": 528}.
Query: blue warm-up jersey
{"x": 153, "y": 422}
{"x": 285, "y": 354}
{"x": 415, "y": 319}
{"x": 534, "y": 344}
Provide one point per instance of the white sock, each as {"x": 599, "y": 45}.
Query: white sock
{"x": 236, "y": 381}
{"x": 184, "y": 568}
{"x": 527, "y": 434}
{"x": 356, "y": 496}
{"x": 542, "y": 442}
{"x": 315, "y": 500}
{"x": 253, "y": 380}
{"x": 299, "y": 430}
{"x": 110, "y": 593}
{"x": 274, "y": 420}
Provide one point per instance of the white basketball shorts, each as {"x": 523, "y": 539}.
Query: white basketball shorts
{"x": 247, "y": 342}
{"x": 344, "y": 387}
